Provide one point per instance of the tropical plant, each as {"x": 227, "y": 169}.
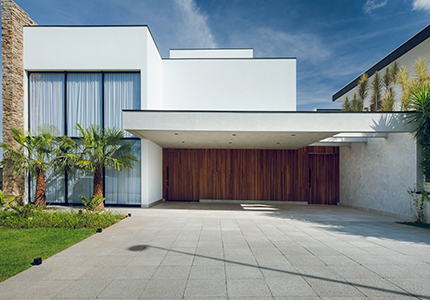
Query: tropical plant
{"x": 419, "y": 197}
{"x": 388, "y": 102}
{"x": 33, "y": 153}
{"x": 97, "y": 148}
{"x": 5, "y": 202}
{"x": 347, "y": 105}
{"x": 419, "y": 102}
{"x": 362, "y": 89}
{"x": 404, "y": 81}
{"x": 376, "y": 86}
{"x": 93, "y": 203}
{"x": 357, "y": 103}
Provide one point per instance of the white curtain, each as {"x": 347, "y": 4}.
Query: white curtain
{"x": 80, "y": 183}
{"x": 121, "y": 91}
{"x": 84, "y": 100}
{"x": 47, "y": 100}
{"x": 123, "y": 187}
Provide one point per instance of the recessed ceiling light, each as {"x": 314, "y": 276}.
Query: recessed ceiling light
{"x": 234, "y": 134}
{"x": 229, "y": 142}
{"x": 293, "y": 135}
{"x": 183, "y": 142}
{"x": 176, "y": 133}
{"x": 278, "y": 143}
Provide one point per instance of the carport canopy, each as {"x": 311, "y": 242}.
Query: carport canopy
{"x": 261, "y": 129}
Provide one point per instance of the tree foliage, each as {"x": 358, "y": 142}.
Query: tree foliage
{"x": 96, "y": 148}
{"x": 33, "y": 154}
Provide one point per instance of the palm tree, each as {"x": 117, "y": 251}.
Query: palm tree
{"x": 33, "y": 154}
{"x": 419, "y": 101}
{"x": 97, "y": 148}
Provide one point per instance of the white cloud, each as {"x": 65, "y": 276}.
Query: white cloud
{"x": 268, "y": 42}
{"x": 194, "y": 30}
{"x": 373, "y": 4}
{"x": 421, "y": 4}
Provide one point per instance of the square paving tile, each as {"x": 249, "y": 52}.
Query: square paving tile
{"x": 206, "y": 288}
{"x": 83, "y": 289}
{"x": 292, "y": 287}
{"x": 124, "y": 288}
{"x": 248, "y": 288}
{"x": 207, "y": 272}
{"x": 164, "y": 288}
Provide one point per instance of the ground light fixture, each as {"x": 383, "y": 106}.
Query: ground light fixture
{"x": 129, "y": 214}
{"x": 37, "y": 261}
{"x": 99, "y": 230}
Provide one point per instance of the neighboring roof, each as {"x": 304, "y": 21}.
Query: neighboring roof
{"x": 398, "y": 52}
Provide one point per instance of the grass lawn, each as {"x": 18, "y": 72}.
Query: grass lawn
{"x": 18, "y": 247}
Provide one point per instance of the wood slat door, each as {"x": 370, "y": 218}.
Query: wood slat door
{"x": 250, "y": 174}
{"x": 323, "y": 179}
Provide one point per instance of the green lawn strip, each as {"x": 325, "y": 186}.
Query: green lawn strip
{"x": 421, "y": 225}
{"x": 18, "y": 247}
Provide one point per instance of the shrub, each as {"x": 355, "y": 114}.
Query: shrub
{"x": 27, "y": 216}
{"x": 93, "y": 203}
{"x": 418, "y": 199}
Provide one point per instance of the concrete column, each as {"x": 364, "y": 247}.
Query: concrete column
{"x": 152, "y": 173}
{"x": 13, "y": 20}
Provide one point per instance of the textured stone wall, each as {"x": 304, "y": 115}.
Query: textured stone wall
{"x": 376, "y": 176}
{"x": 13, "y": 20}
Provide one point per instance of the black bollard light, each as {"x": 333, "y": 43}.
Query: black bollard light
{"x": 37, "y": 261}
{"x": 99, "y": 230}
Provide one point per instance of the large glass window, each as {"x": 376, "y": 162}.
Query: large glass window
{"x": 84, "y": 101}
{"x": 121, "y": 91}
{"x": 123, "y": 187}
{"x": 63, "y": 99}
{"x": 47, "y": 100}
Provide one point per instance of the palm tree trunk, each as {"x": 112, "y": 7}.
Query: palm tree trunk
{"x": 98, "y": 185}
{"x": 40, "y": 197}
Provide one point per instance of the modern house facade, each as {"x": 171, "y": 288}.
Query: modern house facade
{"x": 207, "y": 124}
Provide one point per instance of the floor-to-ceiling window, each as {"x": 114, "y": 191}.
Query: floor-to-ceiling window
{"x": 63, "y": 99}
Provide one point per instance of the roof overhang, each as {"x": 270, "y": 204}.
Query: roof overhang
{"x": 404, "y": 48}
{"x": 259, "y": 130}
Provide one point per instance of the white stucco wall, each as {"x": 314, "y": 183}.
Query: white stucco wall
{"x": 152, "y": 173}
{"x": 105, "y": 48}
{"x": 154, "y": 73}
{"x": 229, "y": 84}
{"x": 85, "y": 48}
{"x": 377, "y": 174}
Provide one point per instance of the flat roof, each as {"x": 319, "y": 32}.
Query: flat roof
{"x": 398, "y": 52}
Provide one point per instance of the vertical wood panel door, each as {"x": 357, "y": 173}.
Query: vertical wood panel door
{"x": 308, "y": 174}
{"x": 323, "y": 179}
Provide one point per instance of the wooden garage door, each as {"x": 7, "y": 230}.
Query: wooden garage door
{"x": 244, "y": 174}
{"x": 324, "y": 179}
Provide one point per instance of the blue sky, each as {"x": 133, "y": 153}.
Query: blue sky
{"x": 334, "y": 41}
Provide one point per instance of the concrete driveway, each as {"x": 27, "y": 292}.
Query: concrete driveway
{"x": 220, "y": 251}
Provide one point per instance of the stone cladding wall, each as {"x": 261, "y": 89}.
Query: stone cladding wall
{"x": 13, "y": 19}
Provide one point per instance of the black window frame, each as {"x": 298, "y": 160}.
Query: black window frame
{"x": 66, "y": 202}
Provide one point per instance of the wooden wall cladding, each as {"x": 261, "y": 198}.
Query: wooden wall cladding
{"x": 243, "y": 174}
